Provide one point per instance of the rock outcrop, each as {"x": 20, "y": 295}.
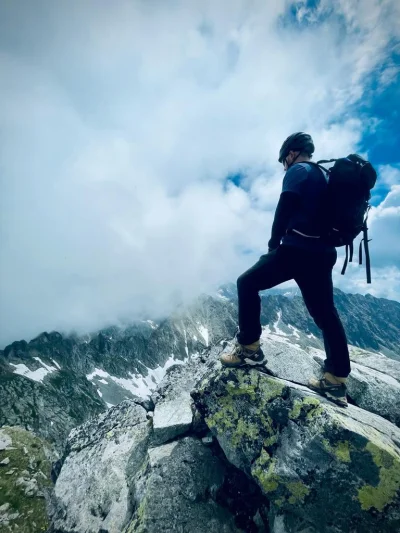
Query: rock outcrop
{"x": 121, "y": 473}
{"x": 322, "y": 468}
{"x": 251, "y": 453}
{"x": 177, "y": 491}
{"x": 93, "y": 489}
{"x": 25, "y": 485}
{"x": 374, "y": 383}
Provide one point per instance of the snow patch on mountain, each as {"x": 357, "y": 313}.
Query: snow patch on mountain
{"x": 268, "y": 336}
{"x": 204, "y": 333}
{"x": 186, "y": 344}
{"x": 35, "y": 375}
{"x": 137, "y": 384}
{"x": 295, "y": 331}
{"x": 221, "y": 295}
{"x": 276, "y": 325}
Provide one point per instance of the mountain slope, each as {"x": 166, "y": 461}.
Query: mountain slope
{"x": 55, "y": 382}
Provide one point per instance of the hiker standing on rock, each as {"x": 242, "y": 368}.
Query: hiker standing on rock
{"x": 296, "y": 251}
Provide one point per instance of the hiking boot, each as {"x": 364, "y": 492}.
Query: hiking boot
{"x": 242, "y": 355}
{"x": 336, "y": 392}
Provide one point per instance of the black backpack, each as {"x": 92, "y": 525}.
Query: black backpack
{"x": 346, "y": 205}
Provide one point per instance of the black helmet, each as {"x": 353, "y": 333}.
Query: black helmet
{"x": 297, "y": 142}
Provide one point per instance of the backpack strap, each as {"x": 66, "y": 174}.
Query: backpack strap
{"x": 349, "y": 248}
{"x": 367, "y": 258}
{"x": 318, "y": 163}
{"x": 346, "y": 260}
{"x": 365, "y": 240}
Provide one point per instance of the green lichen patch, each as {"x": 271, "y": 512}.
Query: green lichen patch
{"x": 279, "y": 502}
{"x": 244, "y": 429}
{"x": 266, "y": 476}
{"x": 270, "y": 389}
{"x": 341, "y": 450}
{"x": 295, "y": 494}
{"x": 295, "y": 412}
{"x": 22, "y": 482}
{"x": 241, "y": 389}
{"x": 227, "y": 416}
{"x": 308, "y": 406}
{"x": 137, "y": 525}
{"x": 270, "y": 441}
{"x": 389, "y": 480}
{"x": 298, "y": 491}
{"x": 264, "y": 470}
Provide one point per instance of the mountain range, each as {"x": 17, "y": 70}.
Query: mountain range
{"x": 55, "y": 382}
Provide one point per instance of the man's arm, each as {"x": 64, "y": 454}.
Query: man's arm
{"x": 288, "y": 203}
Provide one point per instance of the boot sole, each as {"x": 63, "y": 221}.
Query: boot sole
{"x": 330, "y": 397}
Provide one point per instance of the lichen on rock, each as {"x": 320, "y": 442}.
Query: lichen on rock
{"x": 389, "y": 480}
{"x": 305, "y": 453}
{"x": 24, "y": 480}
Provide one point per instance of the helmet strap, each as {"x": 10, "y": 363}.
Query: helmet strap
{"x": 294, "y": 160}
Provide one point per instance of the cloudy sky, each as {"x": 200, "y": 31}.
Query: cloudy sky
{"x": 139, "y": 141}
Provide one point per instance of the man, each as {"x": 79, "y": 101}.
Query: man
{"x": 296, "y": 251}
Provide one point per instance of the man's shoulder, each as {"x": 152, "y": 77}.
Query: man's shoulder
{"x": 307, "y": 166}
{"x": 297, "y": 172}
{"x": 294, "y": 177}
{"x": 310, "y": 169}
{"x": 303, "y": 175}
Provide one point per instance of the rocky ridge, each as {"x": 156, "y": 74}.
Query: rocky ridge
{"x": 54, "y": 383}
{"x": 63, "y": 388}
{"x": 299, "y": 462}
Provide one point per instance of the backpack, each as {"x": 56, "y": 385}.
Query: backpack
{"x": 346, "y": 207}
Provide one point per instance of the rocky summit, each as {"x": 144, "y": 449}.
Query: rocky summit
{"x": 248, "y": 452}
{"x": 142, "y": 430}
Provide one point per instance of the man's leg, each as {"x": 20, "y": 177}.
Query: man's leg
{"x": 271, "y": 270}
{"x": 314, "y": 278}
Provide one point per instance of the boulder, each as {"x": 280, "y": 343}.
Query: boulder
{"x": 114, "y": 478}
{"x": 369, "y": 385}
{"x": 173, "y": 413}
{"x": 172, "y": 418}
{"x": 176, "y": 489}
{"x": 92, "y": 492}
{"x": 322, "y": 467}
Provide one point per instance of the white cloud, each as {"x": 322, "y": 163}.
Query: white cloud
{"x": 120, "y": 125}
{"x": 389, "y": 175}
{"x": 384, "y": 231}
{"x": 385, "y": 280}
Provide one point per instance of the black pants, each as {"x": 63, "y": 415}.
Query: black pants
{"x": 312, "y": 271}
